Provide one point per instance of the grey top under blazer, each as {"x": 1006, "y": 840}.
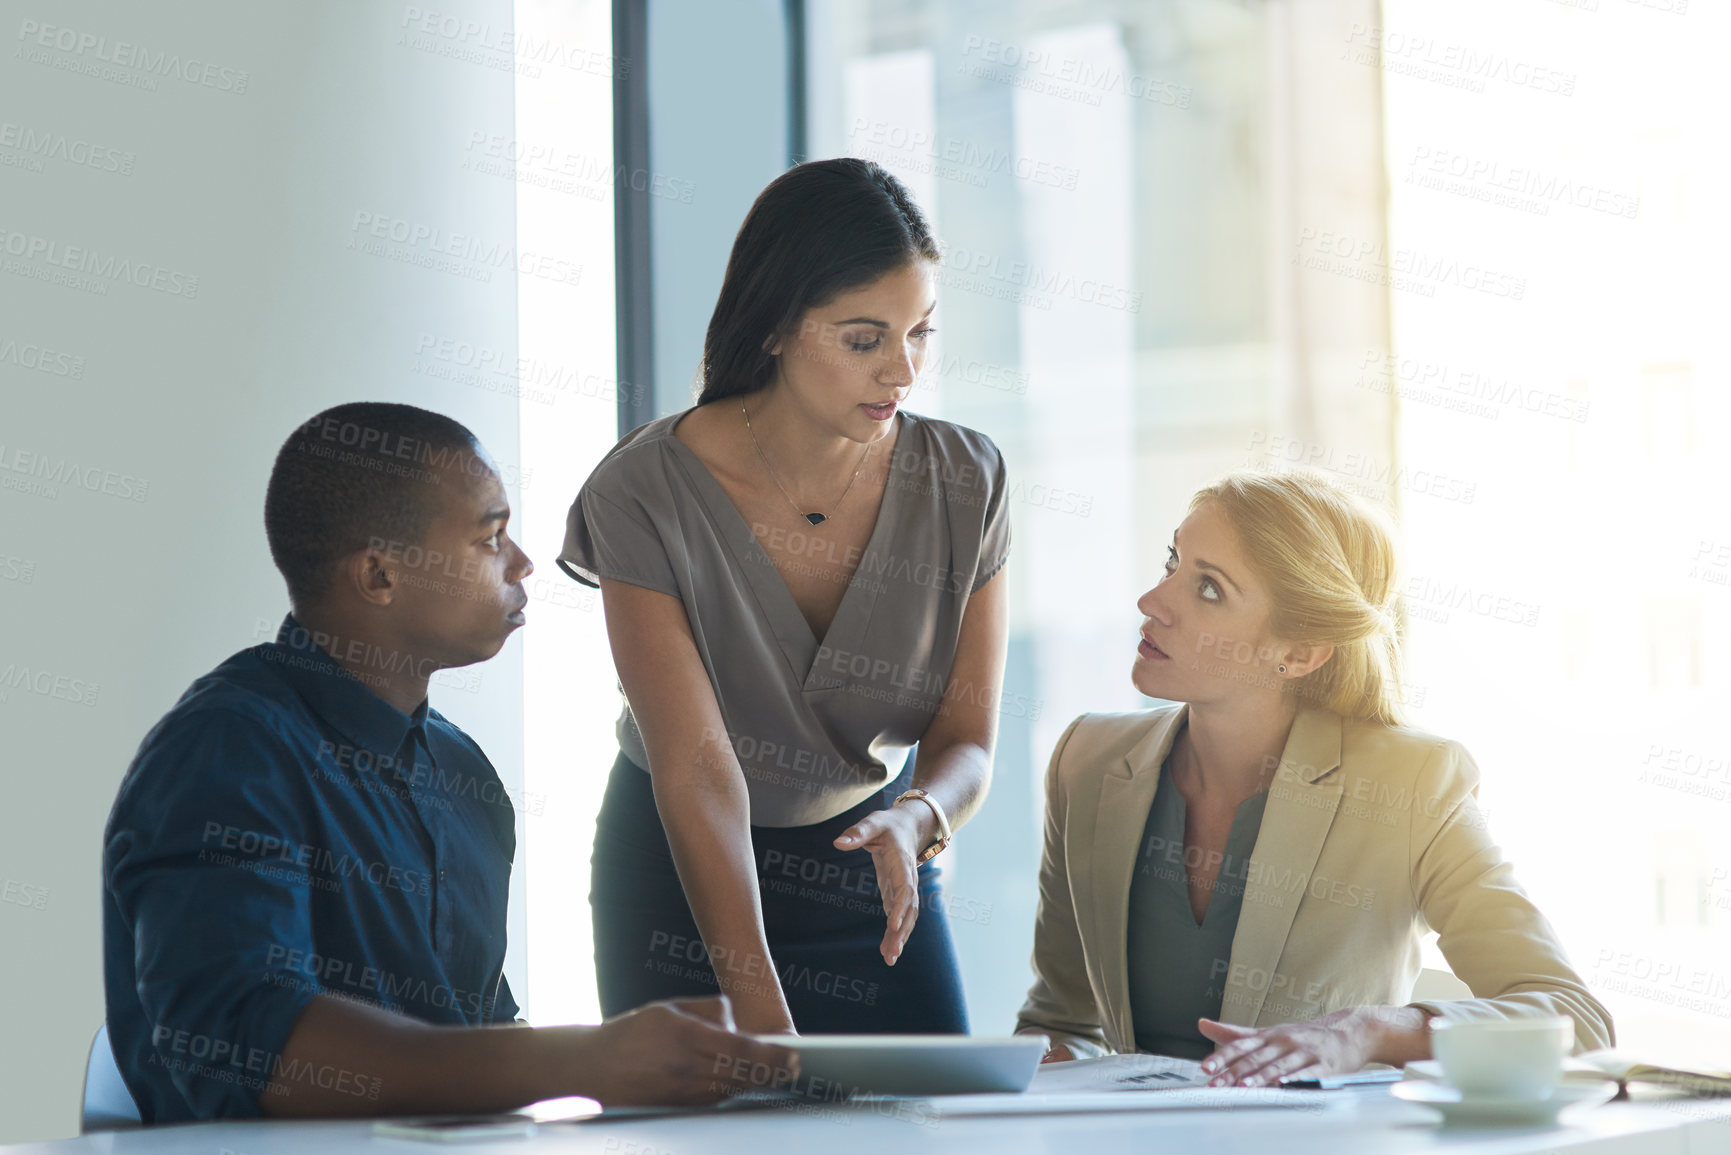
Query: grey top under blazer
{"x": 1371, "y": 837}
{"x": 1177, "y": 966}
{"x": 817, "y": 724}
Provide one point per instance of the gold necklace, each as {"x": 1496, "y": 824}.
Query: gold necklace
{"x": 813, "y": 518}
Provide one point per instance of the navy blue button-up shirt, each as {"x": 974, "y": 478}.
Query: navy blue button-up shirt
{"x": 285, "y": 832}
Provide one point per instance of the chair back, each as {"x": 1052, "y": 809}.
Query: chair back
{"x": 1439, "y": 986}
{"x": 108, "y": 1105}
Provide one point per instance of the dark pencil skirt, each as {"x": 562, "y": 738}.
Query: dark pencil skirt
{"x": 821, "y": 911}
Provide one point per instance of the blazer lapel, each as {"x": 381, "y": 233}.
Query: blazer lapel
{"x": 1295, "y": 822}
{"x": 1126, "y": 794}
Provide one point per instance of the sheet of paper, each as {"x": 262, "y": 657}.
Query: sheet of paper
{"x": 1177, "y": 1099}
{"x": 1118, "y": 1073}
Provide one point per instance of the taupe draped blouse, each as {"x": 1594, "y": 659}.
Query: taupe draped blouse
{"x": 818, "y": 724}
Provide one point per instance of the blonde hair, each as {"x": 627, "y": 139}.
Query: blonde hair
{"x": 1329, "y": 562}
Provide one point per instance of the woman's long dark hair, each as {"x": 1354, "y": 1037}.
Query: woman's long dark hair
{"x": 818, "y": 230}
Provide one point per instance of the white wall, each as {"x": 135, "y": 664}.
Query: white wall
{"x": 171, "y": 404}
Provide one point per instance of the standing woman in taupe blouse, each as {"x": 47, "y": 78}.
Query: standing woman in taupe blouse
{"x": 801, "y": 582}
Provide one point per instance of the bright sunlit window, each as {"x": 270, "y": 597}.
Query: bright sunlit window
{"x": 562, "y": 162}
{"x": 1557, "y": 250}
{"x": 1447, "y": 254}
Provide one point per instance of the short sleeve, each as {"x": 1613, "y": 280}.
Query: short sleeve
{"x": 995, "y": 536}
{"x": 212, "y": 930}
{"x": 606, "y": 539}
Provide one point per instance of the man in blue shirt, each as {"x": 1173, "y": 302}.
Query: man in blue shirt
{"x": 306, "y": 868}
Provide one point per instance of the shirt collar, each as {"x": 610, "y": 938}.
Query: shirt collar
{"x": 338, "y": 696}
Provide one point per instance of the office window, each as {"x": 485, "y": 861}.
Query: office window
{"x": 1118, "y": 188}
{"x": 1558, "y": 213}
{"x": 563, "y": 373}
{"x": 1453, "y": 255}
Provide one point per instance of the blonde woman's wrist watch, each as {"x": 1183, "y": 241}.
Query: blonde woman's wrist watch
{"x": 944, "y": 831}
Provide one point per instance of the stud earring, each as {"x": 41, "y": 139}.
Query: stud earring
{"x": 1282, "y": 669}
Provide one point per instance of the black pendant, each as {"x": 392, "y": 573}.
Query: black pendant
{"x": 816, "y": 518}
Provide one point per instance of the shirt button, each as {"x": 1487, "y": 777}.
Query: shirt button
{"x": 441, "y": 874}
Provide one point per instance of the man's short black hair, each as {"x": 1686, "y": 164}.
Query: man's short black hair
{"x": 369, "y": 469}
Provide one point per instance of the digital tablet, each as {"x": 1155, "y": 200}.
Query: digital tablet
{"x": 835, "y": 1066}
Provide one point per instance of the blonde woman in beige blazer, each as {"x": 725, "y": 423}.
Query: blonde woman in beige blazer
{"x": 1272, "y": 631}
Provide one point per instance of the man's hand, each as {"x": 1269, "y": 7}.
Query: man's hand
{"x": 676, "y": 1053}
{"x": 1337, "y": 1043}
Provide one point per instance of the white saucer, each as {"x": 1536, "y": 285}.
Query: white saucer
{"x": 1497, "y": 1111}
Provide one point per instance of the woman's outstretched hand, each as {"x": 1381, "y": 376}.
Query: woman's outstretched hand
{"x": 894, "y": 838}
{"x": 1337, "y": 1043}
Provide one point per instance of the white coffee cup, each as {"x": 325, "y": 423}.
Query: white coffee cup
{"x": 1503, "y": 1058}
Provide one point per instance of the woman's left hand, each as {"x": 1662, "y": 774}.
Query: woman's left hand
{"x": 893, "y": 837}
{"x": 1337, "y": 1043}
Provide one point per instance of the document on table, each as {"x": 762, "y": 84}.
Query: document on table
{"x": 1087, "y": 1102}
{"x": 1117, "y": 1073}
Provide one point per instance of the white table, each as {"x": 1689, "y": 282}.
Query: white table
{"x": 1358, "y": 1122}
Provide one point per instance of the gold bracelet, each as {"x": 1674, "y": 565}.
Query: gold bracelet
{"x": 944, "y": 832}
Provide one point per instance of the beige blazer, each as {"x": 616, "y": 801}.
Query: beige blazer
{"x": 1371, "y": 837}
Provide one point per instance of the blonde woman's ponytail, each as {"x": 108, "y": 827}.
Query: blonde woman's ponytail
{"x": 1329, "y": 562}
